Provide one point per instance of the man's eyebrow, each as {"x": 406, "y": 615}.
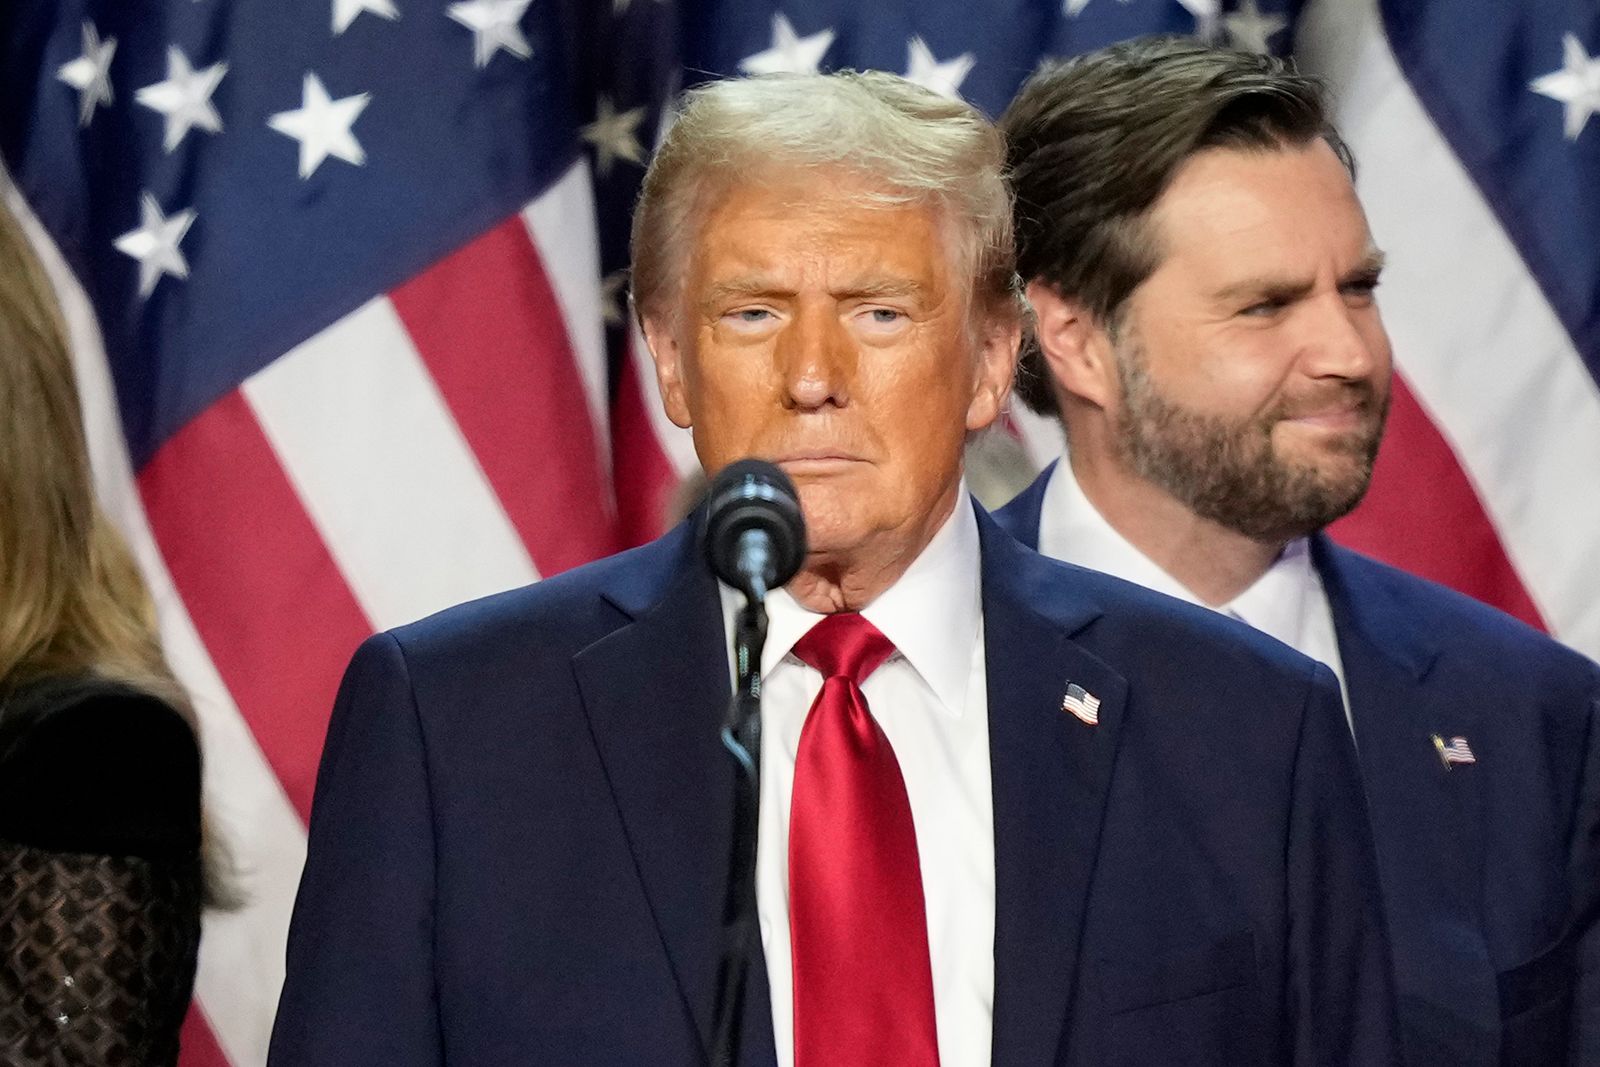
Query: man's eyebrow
{"x": 1370, "y": 266}
{"x": 1271, "y": 288}
{"x": 745, "y": 287}
{"x": 1288, "y": 289}
{"x": 857, "y": 288}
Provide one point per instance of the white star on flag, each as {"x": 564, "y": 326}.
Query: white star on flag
{"x": 184, "y": 98}
{"x": 1074, "y": 8}
{"x": 790, "y": 53}
{"x": 1206, "y": 14}
{"x": 90, "y": 73}
{"x": 155, "y": 244}
{"x": 614, "y": 135}
{"x": 345, "y": 12}
{"x": 322, "y": 126}
{"x": 1576, "y": 84}
{"x": 494, "y": 25}
{"x": 943, "y": 78}
{"x": 1249, "y": 29}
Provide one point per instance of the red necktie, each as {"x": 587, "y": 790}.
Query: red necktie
{"x": 863, "y": 986}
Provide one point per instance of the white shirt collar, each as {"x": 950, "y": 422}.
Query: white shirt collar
{"x": 931, "y": 613}
{"x": 1072, "y": 528}
{"x": 1279, "y": 602}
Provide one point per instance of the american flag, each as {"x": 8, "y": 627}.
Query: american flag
{"x": 1455, "y": 750}
{"x": 345, "y": 283}
{"x": 1082, "y": 703}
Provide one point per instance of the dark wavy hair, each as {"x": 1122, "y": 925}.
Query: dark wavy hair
{"x": 1093, "y": 142}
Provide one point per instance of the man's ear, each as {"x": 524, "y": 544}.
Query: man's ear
{"x": 1076, "y": 348}
{"x": 667, "y": 355}
{"x": 997, "y": 363}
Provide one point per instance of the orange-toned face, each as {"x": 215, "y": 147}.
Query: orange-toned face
{"x": 832, "y": 336}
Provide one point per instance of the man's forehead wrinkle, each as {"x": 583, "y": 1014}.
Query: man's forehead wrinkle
{"x": 871, "y": 263}
{"x": 1296, "y": 278}
{"x": 1227, "y": 192}
{"x": 1218, "y": 246}
{"x": 765, "y": 272}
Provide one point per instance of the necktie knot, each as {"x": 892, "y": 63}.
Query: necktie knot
{"x": 844, "y": 645}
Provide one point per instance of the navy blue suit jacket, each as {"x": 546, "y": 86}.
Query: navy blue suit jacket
{"x": 522, "y": 822}
{"x": 1491, "y": 870}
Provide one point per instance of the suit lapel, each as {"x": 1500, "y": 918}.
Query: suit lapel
{"x": 1423, "y": 813}
{"x": 1022, "y": 516}
{"x": 1052, "y": 776}
{"x": 655, "y": 692}
{"x": 1387, "y": 658}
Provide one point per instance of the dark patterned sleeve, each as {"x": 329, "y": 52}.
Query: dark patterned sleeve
{"x": 100, "y": 881}
{"x": 97, "y": 957}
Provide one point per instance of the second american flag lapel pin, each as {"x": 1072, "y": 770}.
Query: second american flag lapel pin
{"x": 1455, "y": 750}
{"x": 1082, "y": 703}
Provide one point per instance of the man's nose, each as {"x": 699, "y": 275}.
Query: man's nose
{"x": 815, "y": 360}
{"x": 1343, "y": 341}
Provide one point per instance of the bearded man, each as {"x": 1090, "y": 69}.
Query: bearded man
{"x": 1207, "y": 331}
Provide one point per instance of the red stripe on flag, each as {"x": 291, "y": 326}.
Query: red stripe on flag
{"x": 198, "y": 1045}
{"x": 269, "y": 603}
{"x": 488, "y": 326}
{"x": 1423, "y": 515}
{"x": 644, "y": 477}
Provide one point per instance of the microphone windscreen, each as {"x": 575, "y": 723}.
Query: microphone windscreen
{"x": 752, "y": 494}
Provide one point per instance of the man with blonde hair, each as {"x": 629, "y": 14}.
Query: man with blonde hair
{"x": 1010, "y": 812}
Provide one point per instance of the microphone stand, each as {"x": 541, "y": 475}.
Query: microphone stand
{"x": 741, "y": 736}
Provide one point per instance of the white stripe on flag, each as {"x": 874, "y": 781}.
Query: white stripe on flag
{"x": 384, "y": 472}
{"x": 1474, "y": 334}
{"x": 676, "y": 444}
{"x": 241, "y": 954}
{"x": 562, "y": 226}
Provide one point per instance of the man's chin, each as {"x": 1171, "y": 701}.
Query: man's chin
{"x": 830, "y": 500}
{"x": 1323, "y": 496}
{"x": 1313, "y": 444}
{"x": 1294, "y": 500}
{"x": 832, "y": 537}
{"x": 1339, "y": 468}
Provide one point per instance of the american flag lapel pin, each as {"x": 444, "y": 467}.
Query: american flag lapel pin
{"x": 1082, "y": 703}
{"x": 1455, "y": 750}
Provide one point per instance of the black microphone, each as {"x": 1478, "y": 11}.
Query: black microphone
{"x": 755, "y": 541}
{"x": 755, "y": 534}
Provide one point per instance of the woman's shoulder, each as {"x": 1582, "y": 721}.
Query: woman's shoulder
{"x": 92, "y": 765}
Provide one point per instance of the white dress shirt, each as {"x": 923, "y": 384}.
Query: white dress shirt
{"x": 931, "y": 700}
{"x": 1288, "y": 602}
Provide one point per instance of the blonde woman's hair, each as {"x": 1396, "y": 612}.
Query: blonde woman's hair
{"x": 72, "y": 601}
{"x": 910, "y": 144}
